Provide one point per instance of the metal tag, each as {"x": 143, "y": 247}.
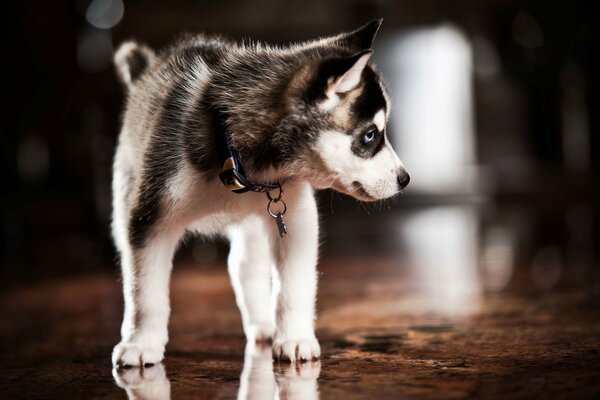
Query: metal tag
{"x": 281, "y": 225}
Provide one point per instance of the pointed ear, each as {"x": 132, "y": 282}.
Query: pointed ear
{"x": 362, "y": 38}
{"x": 350, "y": 78}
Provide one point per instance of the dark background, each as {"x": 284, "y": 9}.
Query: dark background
{"x": 62, "y": 106}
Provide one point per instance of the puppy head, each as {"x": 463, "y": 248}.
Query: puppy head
{"x": 348, "y": 101}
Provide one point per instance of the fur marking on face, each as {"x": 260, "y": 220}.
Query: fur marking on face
{"x": 372, "y": 98}
{"x": 376, "y": 175}
{"x": 379, "y": 120}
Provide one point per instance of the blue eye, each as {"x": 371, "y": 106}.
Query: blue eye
{"x": 368, "y": 137}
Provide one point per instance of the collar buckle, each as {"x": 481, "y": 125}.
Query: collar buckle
{"x": 232, "y": 174}
{"x": 231, "y": 177}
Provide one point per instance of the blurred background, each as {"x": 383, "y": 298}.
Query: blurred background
{"x": 495, "y": 115}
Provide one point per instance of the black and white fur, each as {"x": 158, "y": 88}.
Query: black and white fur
{"x": 310, "y": 115}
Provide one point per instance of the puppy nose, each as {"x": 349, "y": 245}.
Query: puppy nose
{"x": 403, "y": 179}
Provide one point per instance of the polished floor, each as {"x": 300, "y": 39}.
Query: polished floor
{"x": 434, "y": 303}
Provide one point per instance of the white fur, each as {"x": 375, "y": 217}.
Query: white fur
{"x": 120, "y": 187}
{"x": 250, "y": 263}
{"x": 378, "y": 175}
{"x": 330, "y": 102}
{"x": 379, "y": 119}
{"x": 179, "y": 186}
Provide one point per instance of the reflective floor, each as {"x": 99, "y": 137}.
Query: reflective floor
{"x": 453, "y": 301}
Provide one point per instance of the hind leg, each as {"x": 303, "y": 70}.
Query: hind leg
{"x": 145, "y": 273}
{"x": 250, "y": 263}
{"x": 146, "y": 276}
{"x": 146, "y": 270}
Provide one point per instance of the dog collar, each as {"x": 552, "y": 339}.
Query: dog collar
{"x": 232, "y": 175}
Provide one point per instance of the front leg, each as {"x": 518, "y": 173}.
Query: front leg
{"x": 296, "y": 256}
{"x": 250, "y": 263}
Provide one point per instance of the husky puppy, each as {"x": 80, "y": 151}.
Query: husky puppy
{"x": 207, "y": 120}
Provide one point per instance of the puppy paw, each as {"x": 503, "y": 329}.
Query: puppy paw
{"x": 130, "y": 354}
{"x": 300, "y": 350}
{"x": 260, "y": 332}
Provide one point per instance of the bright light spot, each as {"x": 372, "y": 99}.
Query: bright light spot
{"x": 104, "y": 14}
{"x": 432, "y": 119}
{"x": 442, "y": 242}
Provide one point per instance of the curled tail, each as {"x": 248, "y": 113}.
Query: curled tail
{"x": 131, "y": 60}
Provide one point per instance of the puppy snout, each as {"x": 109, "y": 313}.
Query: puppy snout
{"x": 403, "y": 179}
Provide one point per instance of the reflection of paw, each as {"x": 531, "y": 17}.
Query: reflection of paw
{"x": 298, "y": 381}
{"x": 134, "y": 355}
{"x": 303, "y": 371}
{"x": 148, "y": 383}
{"x": 261, "y": 332}
{"x": 296, "y": 350}
{"x": 257, "y": 381}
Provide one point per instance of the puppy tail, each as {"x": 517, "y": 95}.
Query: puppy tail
{"x": 131, "y": 60}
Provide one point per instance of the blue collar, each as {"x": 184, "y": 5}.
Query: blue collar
{"x": 232, "y": 175}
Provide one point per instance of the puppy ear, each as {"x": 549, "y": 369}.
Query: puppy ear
{"x": 350, "y": 77}
{"x": 361, "y": 38}
{"x": 333, "y": 76}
